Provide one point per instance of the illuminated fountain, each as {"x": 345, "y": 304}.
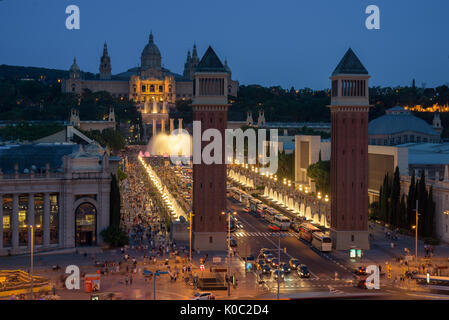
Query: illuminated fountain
{"x": 177, "y": 144}
{"x": 170, "y": 202}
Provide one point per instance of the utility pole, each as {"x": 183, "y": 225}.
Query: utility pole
{"x": 229, "y": 252}
{"x": 32, "y": 258}
{"x": 279, "y": 261}
{"x": 190, "y": 238}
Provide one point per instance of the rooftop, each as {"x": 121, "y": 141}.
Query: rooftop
{"x": 397, "y": 120}
{"x": 350, "y": 64}
{"x": 38, "y": 155}
{"x": 210, "y": 62}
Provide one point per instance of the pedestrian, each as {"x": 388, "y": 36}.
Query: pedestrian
{"x": 131, "y": 280}
{"x": 126, "y": 280}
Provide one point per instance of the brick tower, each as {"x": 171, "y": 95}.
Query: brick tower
{"x": 349, "y": 154}
{"x": 210, "y": 106}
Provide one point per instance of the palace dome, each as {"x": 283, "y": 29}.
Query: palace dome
{"x": 397, "y": 120}
{"x": 151, "y": 56}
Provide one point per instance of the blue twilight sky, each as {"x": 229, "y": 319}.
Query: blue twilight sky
{"x": 284, "y": 42}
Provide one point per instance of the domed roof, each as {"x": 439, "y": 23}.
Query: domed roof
{"x": 397, "y": 120}
{"x": 151, "y": 56}
{"x": 74, "y": 66}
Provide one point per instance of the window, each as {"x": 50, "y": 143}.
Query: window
{"x": 334, "y": 88}
{"x": 352, "y": 237}
{"x": 161, "y": 89}
{"x": 152, "y": 88}
{"x": 54, "y": 213}
{"x": 144, "y": 88}
{"x": 210, "y": 240}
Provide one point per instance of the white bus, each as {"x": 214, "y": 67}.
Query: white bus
{"x": 321, "y": 241}
{"x": 281, "y": 222}
{"x": 269, "y": 214}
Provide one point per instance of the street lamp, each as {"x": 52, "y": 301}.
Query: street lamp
{"x": 229, "y": 247}
{"x": 32, "y": 256}
{"x": 190, "y": 238}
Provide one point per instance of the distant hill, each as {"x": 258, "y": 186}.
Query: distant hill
{"x": 49, "y": 75}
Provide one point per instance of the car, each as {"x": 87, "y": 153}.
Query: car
{"x": 361, "y": 284}
{"x": 203, "y": 296}
{"x": 266, "y": 269}
{"x": 250, "y": 258}
{"x": 269, "y": 257}
{"x": 275, "y": 262}
{"x": 266, "y": 253}
{"x": 294, "y": 226}
{"x": 278, "y": 273}
{"x": 259, "y": 264}
{"x": 361, "y": 271}
{"x": 294, "y": 263}
{"x": 303, "y": 271}
{"x": 286, "y": 268}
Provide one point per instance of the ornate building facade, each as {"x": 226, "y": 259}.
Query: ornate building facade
{"x": 62, "y": 189}
{"x": 146, "y": 83}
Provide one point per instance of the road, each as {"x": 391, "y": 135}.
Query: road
{"x": 256, "y": 235}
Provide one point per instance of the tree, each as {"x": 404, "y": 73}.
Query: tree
{"x": 429, "y": 218}
{"x": 384, "y": 200}
{"x": 114, "y": 203}
{"x": 320, "y": 173}
{"x": 114, "y": 236}
{"x": 395, "y": 217}
{"x": 411, "y": 202}
{"x": 422, "y": 202}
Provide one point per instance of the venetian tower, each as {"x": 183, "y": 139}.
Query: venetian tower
{"x": 349, "y": 154}
{"x": 210, "y": 106}
{"x": 105, "y": 64}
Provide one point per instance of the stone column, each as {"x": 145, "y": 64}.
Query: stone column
{"x": 162, "y": 125}
{"x": 172, "y": 125}
{"x": 180, "y": 123}
{"x": 15, "y": 221}
{"x": 1, "y": 221}
{"x": 154, "y": 127}
{"x": 30, "y": 215}
{"x": 46, "y": 219}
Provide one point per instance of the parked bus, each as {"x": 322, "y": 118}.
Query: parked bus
{"x": 306, "y": 230}
{"x": 281, "y": 222}
{"x": 269, "y": 214}
{"x": 244, "y": 199}
{"x": 321, "y": 241}
{"x": 253, "y": 206}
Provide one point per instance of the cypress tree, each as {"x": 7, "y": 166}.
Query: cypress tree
{"x": 422, "y": 203}
{"x": 429, "y": 223}
{"x": 114, "y": 203}
{"x": 395, "y": 199}
{"x": 383, "y": 202}
{"x": 411, "y": 202}
{"x": 403, "y": 213}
